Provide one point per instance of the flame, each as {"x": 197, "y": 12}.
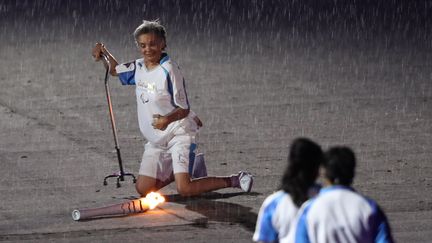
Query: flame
{"x": 152, "y": 199}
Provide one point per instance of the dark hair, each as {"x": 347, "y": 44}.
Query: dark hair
{"x": 339, "y": 165}
{"x": 304, "y": 159}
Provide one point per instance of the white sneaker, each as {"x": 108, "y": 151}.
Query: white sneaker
{"x": 246, "y": 181}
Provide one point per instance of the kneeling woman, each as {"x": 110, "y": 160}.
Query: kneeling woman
{"x": 165, "y": 118}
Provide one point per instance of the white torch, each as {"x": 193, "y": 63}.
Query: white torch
{"x": 150, "y": 201}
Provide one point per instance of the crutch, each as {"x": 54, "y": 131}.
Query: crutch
{"x": 121, "y": 174}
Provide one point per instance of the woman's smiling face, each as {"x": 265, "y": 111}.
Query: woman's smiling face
{"x": 151, "y": 47}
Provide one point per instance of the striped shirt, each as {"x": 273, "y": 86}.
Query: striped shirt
{"x": 339, "y": 214}
{"x": 277, "y": 215}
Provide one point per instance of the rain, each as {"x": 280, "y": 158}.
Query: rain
{"x": 258, "y": 74}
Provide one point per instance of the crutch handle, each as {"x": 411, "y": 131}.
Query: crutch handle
{"x": 107, "y": 61}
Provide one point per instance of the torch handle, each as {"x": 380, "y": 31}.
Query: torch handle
{"x": 133, "y": 206}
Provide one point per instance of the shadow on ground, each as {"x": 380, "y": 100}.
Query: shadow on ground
{"x": 218, "y": 211}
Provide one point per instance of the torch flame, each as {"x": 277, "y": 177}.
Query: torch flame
{"x": 152, "y": 199}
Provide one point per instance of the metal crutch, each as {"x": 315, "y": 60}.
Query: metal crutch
{"x": 121, "y": 174}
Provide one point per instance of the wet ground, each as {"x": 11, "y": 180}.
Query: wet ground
{"x": 258, "y": 75}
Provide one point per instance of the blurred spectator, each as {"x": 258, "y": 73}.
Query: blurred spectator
{"x": 298, "y": 183}
{"x": 339, "y": 213}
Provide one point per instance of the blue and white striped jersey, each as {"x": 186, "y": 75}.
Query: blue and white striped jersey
{"x": 339, "y": 214}
{"x": 158, "y": 91}
{"x": 277, "y": 214}
{"x": 275, "y": 217}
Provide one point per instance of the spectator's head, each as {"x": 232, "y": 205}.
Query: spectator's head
{"x": 304, "y": 159}
{"x": 339, "y": 166}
